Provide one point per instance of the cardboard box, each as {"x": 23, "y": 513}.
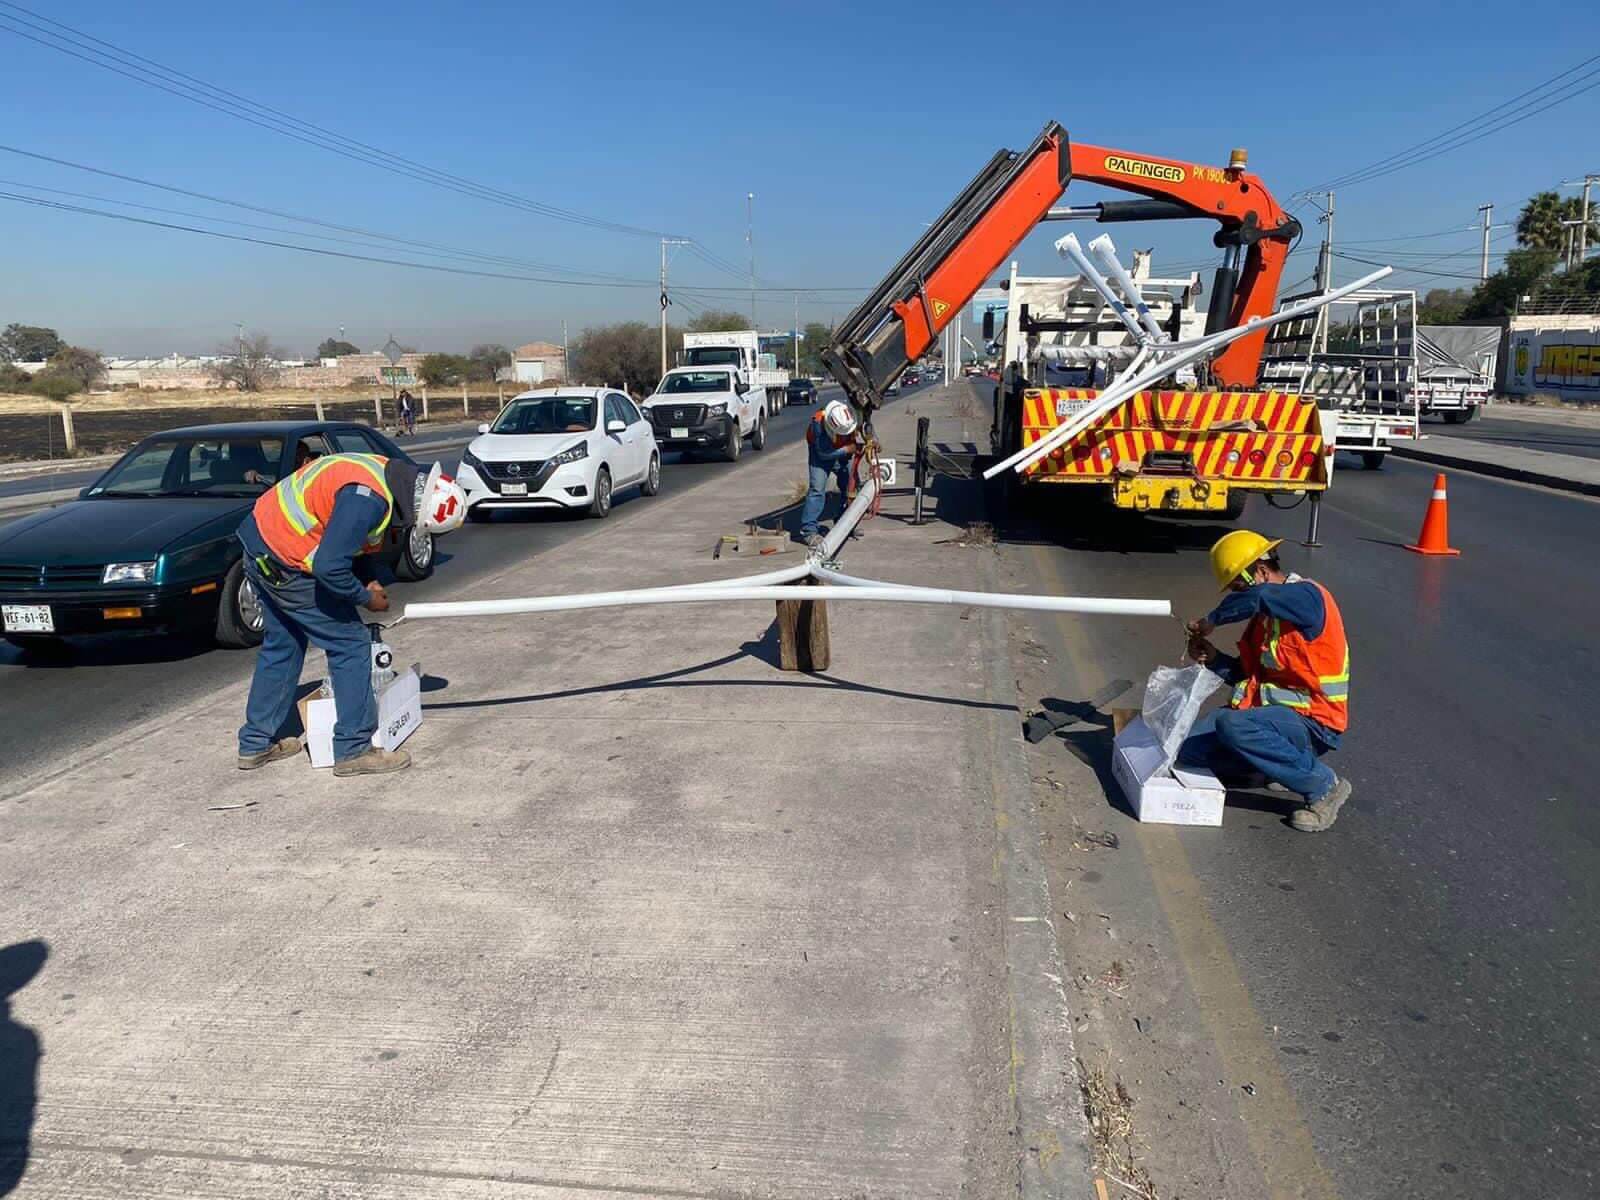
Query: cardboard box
{"x": 399, "y": 715}
{"x": 1183, "y": 796}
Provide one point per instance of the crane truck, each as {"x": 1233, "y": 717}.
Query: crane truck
{"x": 1192, "y": 450}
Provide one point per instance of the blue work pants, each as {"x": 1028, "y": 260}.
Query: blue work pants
{"x": 1272, "y": 739}
{"x": 299, "y": 611}
{"x": 817, "y": 491}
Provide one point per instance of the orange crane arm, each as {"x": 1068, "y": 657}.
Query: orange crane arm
{"x": 900, "y": 320}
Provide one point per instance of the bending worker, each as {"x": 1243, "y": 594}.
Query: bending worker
{"x": 308, "y": 544}
{"x": 1291, "y": 680}
{"x": 831, "y": 442}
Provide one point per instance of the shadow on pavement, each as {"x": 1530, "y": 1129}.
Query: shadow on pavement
{"x": 131, "y": 649}
{"x": 19, "y": 1063}
{"x": 764, "y": 650}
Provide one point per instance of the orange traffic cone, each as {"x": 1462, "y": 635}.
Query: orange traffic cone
{"x": 1435, "y": 535}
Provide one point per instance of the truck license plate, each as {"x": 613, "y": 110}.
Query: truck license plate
{"x": 513, "y": 489}
{"x": 27, "y": 618}
{"x": 1065, "y": 407}
{"x": 679, "y": 431}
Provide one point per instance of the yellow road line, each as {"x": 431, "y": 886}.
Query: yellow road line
{"x": 1278, "y": 1134}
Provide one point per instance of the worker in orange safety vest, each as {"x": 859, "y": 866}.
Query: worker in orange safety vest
{"x": 1291, "y": 680}
{"x": 308, "y": 543}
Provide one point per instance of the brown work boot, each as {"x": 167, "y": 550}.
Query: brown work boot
{"x": 282, "y": 748}
{"x": 374, "y": 762}
{"x": 1321, "y": 814}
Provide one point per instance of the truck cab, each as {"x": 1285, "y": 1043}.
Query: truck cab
{"x": 708, "y": 407}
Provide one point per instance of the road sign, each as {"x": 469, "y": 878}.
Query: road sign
{"x": 393, "y": 351}
{"x": 397, "y": 376}
{"x": 886, "y": 472}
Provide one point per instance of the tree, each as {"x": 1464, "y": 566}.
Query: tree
{"x": 487, "y": 359}
{"x": 714, "y": 321}
{"x": 29, "y": 343}
{"x": 626, "y": 355}
{"x": 1523, "y": 273}
{"x": 249, "y": 364}
{"x": 56, "y": 385}
{"x": 817, "y": 336}
{"x": 1539, "y": 225}
{"x": 14, "y": 378}
{"x": 1443, "y": 306}
{"x": 334, "y": 348}
{"x": 443, "y": 370}
{"x": 83, "y": 367}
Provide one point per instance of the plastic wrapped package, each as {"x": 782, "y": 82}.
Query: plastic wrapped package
{"x": 1172, "y": 700}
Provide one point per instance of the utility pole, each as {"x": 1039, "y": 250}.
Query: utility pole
{"x": 1325, "y": 272}
{"x": 1583, "y": 230}
{"x": 566, "y": 363}
{"x": 796, "y": 328}
{"x": 750, "y": 241}
{"x": 665, "y": 242}
{"x": 1487, "y": 211}
{"x": 239, "y": 331}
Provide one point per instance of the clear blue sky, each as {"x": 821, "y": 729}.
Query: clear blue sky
{"x": 851, "y": 123}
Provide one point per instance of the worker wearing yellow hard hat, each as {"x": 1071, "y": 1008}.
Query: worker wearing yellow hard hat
{"x": 1291, "y": 679}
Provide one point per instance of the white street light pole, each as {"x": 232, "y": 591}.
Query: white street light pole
{"x": 1483, "y": 261}
{"x": 750, "y": 240}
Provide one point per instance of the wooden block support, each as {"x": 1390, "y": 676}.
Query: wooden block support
{"x": 66, "y": 429}
{"x": 803, "y": 635}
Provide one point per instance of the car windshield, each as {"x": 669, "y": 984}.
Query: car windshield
{"x": 547, "y": 414}
{"x": 684, "y": 383}
{"x": 225, "y": 466}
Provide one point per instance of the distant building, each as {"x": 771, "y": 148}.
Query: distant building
{"x": 537, "y": 362}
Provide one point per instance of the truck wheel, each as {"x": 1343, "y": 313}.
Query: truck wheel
{"x": 240, "y": 621}
{"x": 1237, "y": 499}
{"x": 416, "y": 556}
{"x": 735, "y": 442}
{"x": 1458, "y": 416}
{"x": 1372, "y": 460}
{"x": 758, "y": 437}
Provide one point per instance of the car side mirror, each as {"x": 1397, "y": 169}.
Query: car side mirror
{"x": 84, "y": 493}
{"x": 616, "y": 427}
{"x": 484, "y": 428}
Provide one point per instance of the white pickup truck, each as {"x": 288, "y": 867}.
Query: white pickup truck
{"x": 739, "y": 348}
{"x": 707, "y": 408}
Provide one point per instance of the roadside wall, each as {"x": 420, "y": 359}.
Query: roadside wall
{"x": 1555, "y": 355}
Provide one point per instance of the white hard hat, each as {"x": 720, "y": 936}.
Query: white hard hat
{"x": 840, "y": 418}
{"x": 441, "y": 505}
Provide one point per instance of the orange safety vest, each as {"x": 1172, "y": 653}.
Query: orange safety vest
{"x": 292, "y": 516}
{"x": 1282, "y": 666}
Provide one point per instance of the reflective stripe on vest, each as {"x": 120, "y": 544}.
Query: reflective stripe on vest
{"x": 290, "y": 517}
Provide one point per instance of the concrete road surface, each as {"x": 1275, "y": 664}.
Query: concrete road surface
{"x": 1405, "y": 1005}
{"x": 106, "y": 683}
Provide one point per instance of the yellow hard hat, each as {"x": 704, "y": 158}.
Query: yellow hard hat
{"x": 1236, "y": 552}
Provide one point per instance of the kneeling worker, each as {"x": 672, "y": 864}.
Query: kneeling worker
{"x": 307, "y": 547}
{"x": 831, "y": 442}
{"x": 1291, "y": 680}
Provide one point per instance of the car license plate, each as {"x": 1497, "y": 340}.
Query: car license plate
{"x": 680, "y": 431}
{"x": 513, "y": 489}
{"x": 1066, "y": 407}
{"x": 27, "y": 618}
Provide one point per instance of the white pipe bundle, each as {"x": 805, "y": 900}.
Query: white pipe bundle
{"x": 1166, "y": 362}
{"x": 1104, "y": 251}
{"x": 1069, "y": 249}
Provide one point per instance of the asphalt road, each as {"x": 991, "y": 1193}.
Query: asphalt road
{"x": 1579, "y": 440}
{"x": 1424, "y": 974}
{"x": 106, "y": 683}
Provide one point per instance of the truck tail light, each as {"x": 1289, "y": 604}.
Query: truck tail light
{"x": 1257, "y": 457}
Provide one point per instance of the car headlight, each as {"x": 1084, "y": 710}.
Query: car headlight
{"x": 716, "y": 410}
{"x": 134, "y": 572}
{"x": 572, "y": 454}
{"x": 469, "y": 459}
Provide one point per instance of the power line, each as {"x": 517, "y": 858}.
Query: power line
{"x": 1493, "y": 120}
{"x": 40, "y": 202}
{"x": 87, "y": 48}
{"x": 1370, "y": 262}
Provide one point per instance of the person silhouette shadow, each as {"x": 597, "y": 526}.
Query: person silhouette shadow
{"x": 19, "y": 1063}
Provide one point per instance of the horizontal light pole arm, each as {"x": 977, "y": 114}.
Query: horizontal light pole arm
{"x": 880, "y": 593}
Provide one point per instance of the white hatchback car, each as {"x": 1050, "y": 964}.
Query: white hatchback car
{"x": 563, "y": 447}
